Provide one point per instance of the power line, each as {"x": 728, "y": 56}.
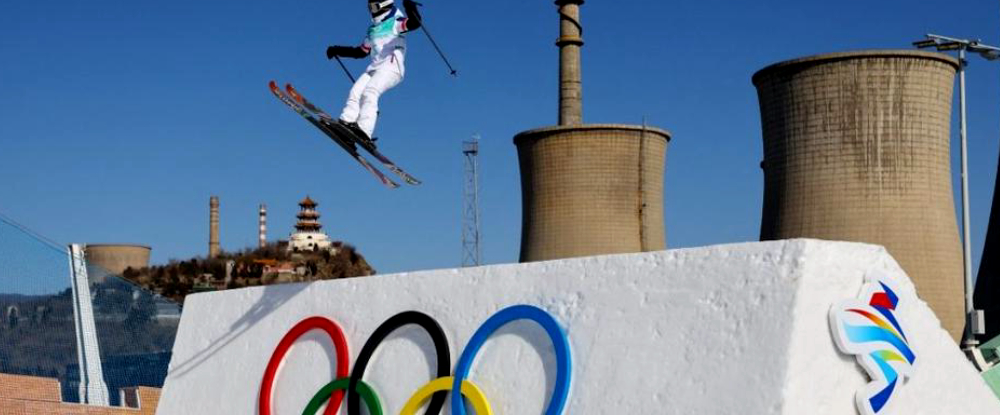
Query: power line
{"x": 34, "y": 235}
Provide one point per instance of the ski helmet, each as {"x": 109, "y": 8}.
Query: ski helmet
{"x": 379, "y": 8}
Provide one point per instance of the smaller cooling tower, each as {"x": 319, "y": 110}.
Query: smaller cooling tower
{"x": 591, "y": 189}
{"x": 108, "y": 259}
{"x": 856, "y": 148}
{"x": 588, "y": 189}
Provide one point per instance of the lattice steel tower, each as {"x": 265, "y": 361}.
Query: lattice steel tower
{"x": 471, "y": 252}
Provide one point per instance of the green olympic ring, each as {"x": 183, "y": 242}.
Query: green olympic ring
{"x": 367, "y": 394}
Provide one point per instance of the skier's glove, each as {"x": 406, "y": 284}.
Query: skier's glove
{"x": 356, "y": 52}
{"x": 333, "y": 51}
{"x": 412, "y": 15}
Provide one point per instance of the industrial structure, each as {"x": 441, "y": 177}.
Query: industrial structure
{"x": 856, "y": 148}
{"x": 588, "y": 189}
{"x": 988, "y": 279}
{"x": 471, "y": 251}
{"x": 308, "y": 235}
{"x": 113, "y": 259}
{"x": 262, "y": 226}
{"x": 213, "y": 227}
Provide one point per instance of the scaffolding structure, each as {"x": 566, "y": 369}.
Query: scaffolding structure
{"x": 471, "y": 237}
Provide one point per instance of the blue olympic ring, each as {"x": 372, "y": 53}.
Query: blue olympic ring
{"x": 518, "y": 312}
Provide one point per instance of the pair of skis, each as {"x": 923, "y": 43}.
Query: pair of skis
{"x": 341, "y": 135}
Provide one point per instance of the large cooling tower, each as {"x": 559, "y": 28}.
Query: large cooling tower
{"x": 588, "y": 189}
{"x": 104, "y": 259}
{"x": 856, "y": 148}
{"x": 987, "y": 296}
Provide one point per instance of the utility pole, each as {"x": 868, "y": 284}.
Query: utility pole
{"x": 974, "y": 324}
{"x": 471, "y": 251}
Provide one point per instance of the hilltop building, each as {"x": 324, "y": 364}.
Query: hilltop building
{"x": 307, "y": 236}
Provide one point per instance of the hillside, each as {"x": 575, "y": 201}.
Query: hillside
{"x": 262, "y": 266}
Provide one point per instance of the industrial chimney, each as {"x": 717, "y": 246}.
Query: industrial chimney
{"x": 856, "y": 149}
{"x": 262, "y": 227}
{"x": 570, "y": 79}
{"x": 987, "y": 294}
{"x": 588, "y": 189}
{"x": 213, "y": 227}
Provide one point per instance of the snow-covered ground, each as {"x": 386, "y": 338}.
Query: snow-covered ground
{"x": 729, "y": 329}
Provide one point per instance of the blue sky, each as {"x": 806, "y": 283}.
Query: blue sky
{"x": 118, "y": 119}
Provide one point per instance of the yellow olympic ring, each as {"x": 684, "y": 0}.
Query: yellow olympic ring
{"x": 469, "y": 390}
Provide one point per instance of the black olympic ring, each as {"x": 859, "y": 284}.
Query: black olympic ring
{"x": 395, "y": 322}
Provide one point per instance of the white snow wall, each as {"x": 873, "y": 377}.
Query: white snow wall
{"x": 731, "y": 329}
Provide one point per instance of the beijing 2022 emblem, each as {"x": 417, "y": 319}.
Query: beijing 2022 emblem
{"x": 868, "y": 329}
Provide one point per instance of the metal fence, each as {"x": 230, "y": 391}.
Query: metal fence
{"x": 42, "y": 333}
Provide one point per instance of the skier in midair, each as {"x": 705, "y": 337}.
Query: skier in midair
{"x": 387, "y": 46}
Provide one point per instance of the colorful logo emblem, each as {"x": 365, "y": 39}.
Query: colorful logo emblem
{"x": 868, "y": 329}
{"x": 357, "y": 391}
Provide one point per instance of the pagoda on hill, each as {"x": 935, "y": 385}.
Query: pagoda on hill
{"x": 307, "y": 236}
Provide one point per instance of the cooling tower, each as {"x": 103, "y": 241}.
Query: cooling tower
{"x": 987, "y": 294}
{"x": 591, "y": 189}
{"x": 588, "y": 189}
{"x": 107, "y": 259}
{"x": 856, "y": 148}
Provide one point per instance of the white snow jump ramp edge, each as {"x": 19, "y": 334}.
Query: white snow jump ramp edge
{"x": 731, "y": 329}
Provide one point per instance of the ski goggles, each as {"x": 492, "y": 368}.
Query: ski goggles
{"x": 376, "y": 7}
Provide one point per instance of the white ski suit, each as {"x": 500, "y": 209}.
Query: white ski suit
{"x": 387, "y": 47}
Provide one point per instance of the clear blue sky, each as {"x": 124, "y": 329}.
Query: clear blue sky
{"x": 118, "y": 119}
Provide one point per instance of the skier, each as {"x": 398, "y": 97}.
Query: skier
{"x": 387, "y": 46}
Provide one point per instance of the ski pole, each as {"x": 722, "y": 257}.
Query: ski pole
{"x": 351, "y": 77}
{"x": 453, "y": 71}
{"x": 423, "y": 25}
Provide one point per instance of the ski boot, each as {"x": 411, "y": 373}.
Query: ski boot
{"x": 360, "y": 135}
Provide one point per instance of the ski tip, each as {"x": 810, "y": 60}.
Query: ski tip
{"x": 389, "y": 183}
{"x": 273, "y": 85}
{"x": 295, "y": 94}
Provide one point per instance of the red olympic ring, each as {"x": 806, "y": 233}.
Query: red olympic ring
{"x": 340, "y": 344}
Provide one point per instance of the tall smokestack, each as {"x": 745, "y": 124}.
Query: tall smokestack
{"x": 262, "y": 228}
{"x": 213, "y": 227}
{"x": 570, "y": 81}
{"x": 588, "y": 189}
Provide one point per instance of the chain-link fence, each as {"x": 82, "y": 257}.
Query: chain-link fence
{"x": 42, "y": 330}
{"x": 135, "y": 331}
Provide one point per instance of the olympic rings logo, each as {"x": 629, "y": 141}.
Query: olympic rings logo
{"x": 435, "y": 390}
